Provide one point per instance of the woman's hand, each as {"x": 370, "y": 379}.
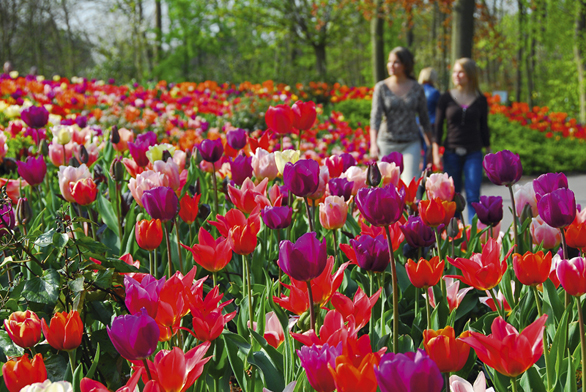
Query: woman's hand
{"x": 374, "y": 151}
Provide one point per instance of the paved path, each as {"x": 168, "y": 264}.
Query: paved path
{"x": 577, "y": 184}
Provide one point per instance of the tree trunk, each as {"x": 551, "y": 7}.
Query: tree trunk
{"x": 444, "y": 69}
{"x": 320, "y": 60}
{"x": 159, "y": 32}
{"x": 378, "y": 45}
{"x": 462, "y": 28}
{"x": 521, "y": 21}
{"x": 580, "y": 54}
{"x": 70, "y": 56}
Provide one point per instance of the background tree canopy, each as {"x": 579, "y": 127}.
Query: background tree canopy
{"x": 533, "y": 49}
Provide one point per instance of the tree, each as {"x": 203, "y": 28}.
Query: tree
{"x": 462, "y": 28}
{"x": 580, "y": 54}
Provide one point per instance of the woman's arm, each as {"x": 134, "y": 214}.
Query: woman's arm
{"x": 484, "y": 130}
{"x": 376, "y": 115}
{"x": 440, "y": 116}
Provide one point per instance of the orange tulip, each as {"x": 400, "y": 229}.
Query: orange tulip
{"x": 21, "y": 372}
{"x": 65, "y": 330}
{"x": 576, "y": 235}
{"x": 24, "y": 328}
{"x": 532, "y": 268}
{"x": 149, "y": 234}
{"x": 425, "y": 273}
{"x": 350, "y": 378}
{"x": 437, "y": 211}
{"x": 188, "y": 208}
{"x": 448, "y": 352}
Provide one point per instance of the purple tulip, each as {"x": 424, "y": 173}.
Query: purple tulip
{"x": 558, "y": 208}
{"x": 315, "y": 361}
{"x": 149, "y": 138}
{"x": 241, "y": 169}
{"x": 35, "y": 116}
{"x": 236, "y": 138}
{"x": 408, "y": 372}
{"x": 341, "y": 187}
{"x": 161, "y": 203}
{"x": 396, "y": 158}
{"x": 81, "y": 121}
{"x": 8, "y": 219}
{"x": 503, "y": 168}
{"x": 348, "y": 161}
{"x": 489, "y": 210}
{"x": 138, "y": 152}
{"x": 304, "y": 260}
{"x": 211, "y": 150}
{"x": 135, "y": 337}
{"x": 381, "y": 206}
{"x": 143, "y": 295}
{"x": 547, "y": 183}
{"x": 417, "y": 233}
{"x": 302, "y": 177}
{"x": 33, "y": 170}
{"x": 277, "y": 217}
{"x": 372, "y": 254}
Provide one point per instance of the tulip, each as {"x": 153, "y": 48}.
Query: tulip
{"x": 373, "y": 175}
{"x": 381, "y": 206}
{"x": 155, "y": 151}
{"x": 208, "y": 320}
{"x": 333, "y": 332}
{"x": 170, "y": 171}
{"x": 280, "y": 119}
{"x": 68, "y": 175}
{"x": 172, "y": 306}
{"x": 7, "y": 219}
{"x": 525, "y": 195}
{"x": 372, "y": 254}
{"x": 304, "y": 115}
{"x": 135, "y": 337}
{"x": 348, "y": 160}
{"x": 161, "y": 203}
{"x": 143, "y": 295}
{"x": 23, "y": 328}
{"x": 35, "y": 116}
{"x": 396, "y": 158}
{"x": 236, "y": 138}
{"x": 138, "y": 152}
{"x": 436, "y": 212}
{"x": 340, "y": 187}
{"x": 126, "y": 136}
{"x": 349, "y": 377}
{"x": 333, "y": 212}
{"x": 211, "y": 254}
{"x": 453, "y": 295}
{"x": 489, "y": 210}
{"x": 503, "y": 167}
{"x": 501, "y": 301}
{"x": 242, "y": 236}
{"x": 284, "y": 157}
{"x": 144, "y": 181}
{"x": 274, "y": 334}
{"x": 188, "y": 208}
{"x": 425, "y": 273}
{"x": 241, "y": 169}
{"x": 448, "y": 352}
{"x": 507, "y": 351}
{"x": 418, "y": 234}
{"x": 576, "y": 234}
{"x": 263, "y": 165}
{"x": 64, "y": 332}
{"x": 482, "y": 271}
{"x": 84, "y": 191}
{"x": 211, "y": 150}
{"x": 315, "y": 361}
{"x": 335, "y": 166}
{"x": 324, "y": 177}
{"x": 302, "y": 177}
{"x": 277, "y": 217}
{"x": 245, "y": 199}
{"x": 357, "y": 176}
{"x": 359, "y": 310}
{"x": 33, "y": 170}
{"x": 558, "y": 208}
{"x": 408, "y": 372}
{"x": 48, "y": 386}
{"x": 149, "y": 234}
{"x": 532, "y": 268}
{"x": 305, "y": 259}
{"x": 18, "y": 373}
{"x": 458, "y": 384}
{"x": 440, "y": 186}
{"x": 545, "y": 235}
{"x": 87, "y": 385}
{"x": 549, "y": 182}
{"x": 391, "y": 173}
{"x": 572, "y": 275}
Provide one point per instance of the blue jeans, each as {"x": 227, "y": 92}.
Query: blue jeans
{"x": 469, "y": 165}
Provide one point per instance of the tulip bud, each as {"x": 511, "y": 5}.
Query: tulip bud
{"x": 83, "y": 154}
{"x": 192, "y": 189}
{"x": 198, "y": 157}
{"x": 44, "y": 148}
{"x": 99, "y": 174}
{"x": 527, "y": 213}
{"x": 23, "y": 211}
{"x": 64, "y": 136}
{"x": 73, "y": 162}
{"x": 453, "y": 228}
{"x": 204, "y": 211}
{"x": 166, "y": 155}
{"x": 117, "y": 169}
{"x": 115, "y": 135}
{"x": 373, "y": 175}
{"x": 460, "y": 202}
{"x": 187, "y": 158}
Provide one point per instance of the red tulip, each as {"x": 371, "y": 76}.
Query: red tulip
{"x": 240, "y": 231}
{"x": 149, "y": 234}
{"x": 576, "y": 232}
{"x": 425, "y": 273}
{"x": 84, "y": 191}
{"x": 437, "y": 211}
{"x": 358, "y": 309}
{"x": 65, "y": 330}
{"x": 24, "y": 328}
{"x": 532, "y": 268}
{"x": 18, "y": 373}
{"x": 88, "y": 385}
{"x": 245, "y": 198}
{"x": 572, "y": 275}
{"x": 188, "y": 208}
{"x": 350, "y": 377}
{"x": 280, "y": 119}
{"x": 304, "y": 115}
{"x": 448, "y": 352}
{"x": 213, "y": 255}
{"x": 208, "y": 320}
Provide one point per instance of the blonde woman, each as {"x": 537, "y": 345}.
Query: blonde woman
{"x": 400, "y": 99}
{"x": 465, "y": 111}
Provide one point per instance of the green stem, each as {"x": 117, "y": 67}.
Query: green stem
{"x": 439, "y": 253}
{"x": 427, "y": 309}
{"x": 519, "y": 250}
{"x": 371, "y": 322}
{"x": 214, "y": 182}
{"x": 514, "y": 386}
{"x": 311, "y": 310}
{"x": 395, "y": 293}
{"x": 497, "y": 304}
{"x": 548, "y": 367}
{"x": 146, "y": 367}
{"x": 278, "y": 267}
{"x": 151, "y": 263}
{"x": 176, "y": 223}
{"x": 214, "y": 277}
{"x": 250, "y": 310}
{"x": 168, "y": 249}
{"x": 382, "y": 305}
{"x": 582, "y": 336}
{"x": 71, "y": 354}
{"x": 416, "y": 303}
{"x": 337, "y": 250}
{"x": 447, "y": 381}
{"x": 309, "y": 214}
{"x": 299, "y": 141}
{"x": 119, "y": 205}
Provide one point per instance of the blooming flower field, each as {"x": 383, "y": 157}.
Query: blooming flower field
{"x": 150, "y": 243}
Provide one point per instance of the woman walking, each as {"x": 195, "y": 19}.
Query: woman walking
{"x": 400, "y": 99}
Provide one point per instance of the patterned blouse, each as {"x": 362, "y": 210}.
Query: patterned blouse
{"x": 400, "y": 125}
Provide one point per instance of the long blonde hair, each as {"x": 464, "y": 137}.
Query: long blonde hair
{"x": 428, "y": 75}
{"x": 471, "y": 69}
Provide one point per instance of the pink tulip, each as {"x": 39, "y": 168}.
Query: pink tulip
{"x": 274, "y": 334}
{"x": 525, "y": 194}
{"x": 179, "y": 157}
{"x": 93, "y": 153}
{"x": 356, "y": 175}
{"x": 391, "y": 173}
{"x": 56, "y": 153}
{"x": 500, "y": 297}
{"x": 70, "y": 175}
{"x": 324, "y": 177}
{"x": 458, "y": 384}
{"x": 333, "y": 212}
{"x": 13, "y": 188}
{"x": 143, "y": 182}
{"x": 541, "y": 232}
{"x": 440, "y": 185}
{"x": 132, "y": 167}
{"x": 208, "y": 167}
{"x": 126, "y": 136}
{"x": 264, "y": 165}
{"x": 572, "y": 275}
{"x": 454, "y": 295}
{"x": 170, "y": 171}
{"x": 3, "y": 146}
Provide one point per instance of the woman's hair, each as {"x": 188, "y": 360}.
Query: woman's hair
{"x": 471, "y": 70}
{"x": 428, "y": 76}
{"x": 406, "y": 58}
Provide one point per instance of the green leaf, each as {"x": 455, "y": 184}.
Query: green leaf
{"x": 531, "y": 381}
{"x": 107, "y": 213}
{"x": 272, "y": 378}
{"x": 119, "y": 265}
{"x": 570, "y": 376}
{"x": 551, "y": 297}
{"x": 45, "y": 239}
{"x": 238, "y": 349}
{"x": 104, "y": 279}
{"x": 76, "y": 285}
{"x": 60, "y": 240}
{"x": 8, "y": 348}
{"x": 44, "y": 289}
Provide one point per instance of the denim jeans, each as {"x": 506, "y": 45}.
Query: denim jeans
{"x": 470, "y": 166}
